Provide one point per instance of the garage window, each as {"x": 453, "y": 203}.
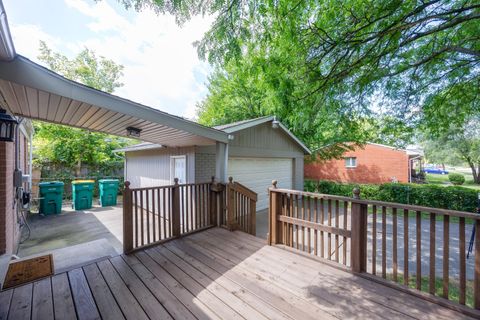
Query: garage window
{"x": 351, "y": 162}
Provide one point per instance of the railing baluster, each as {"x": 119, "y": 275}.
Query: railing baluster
{"x": 419, "y": 251}
{"x": 315, "y": 232}
{"x": 164, "y": 213}
{"x": 463, "y": 278}
{"x": 384, "y": 242}
{"x": 329, "y": 234}
{"x": 159, "y": 216}
{"x": 431, "y": 286}
{"x": 136, "y": 218}
{"x": 476, "y": 276}
{"x": 303, "y": 228}
{"x": 296, "y": 226}
{"x": 345, "y": 227}
{"x": 309, "y": 218}
{"x": 374, "y": 239}
{"x": 394, "y": 236}
{"x": 446, "y": 246}
{"x": 322, "y": 235}
{"x": 142, "y": 221}
{"x": 147, "y": 199}
{"x": 337, "y": 243}
{"x": 405, "y": 247}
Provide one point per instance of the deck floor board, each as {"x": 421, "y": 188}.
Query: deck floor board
{"x": 213, "y": 274}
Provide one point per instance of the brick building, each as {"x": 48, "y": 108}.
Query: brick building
{"x": 13, "y": 154}
{"x": 372, "y": 163}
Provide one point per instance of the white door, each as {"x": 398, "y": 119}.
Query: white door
{"x": 258, "y": 173}
{"x": 178, "y": 169}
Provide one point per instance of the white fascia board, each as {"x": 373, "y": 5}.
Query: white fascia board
{"x": 27, "y": 73}
{"x": 247, "y": 125}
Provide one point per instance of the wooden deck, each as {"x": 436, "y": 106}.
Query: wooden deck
{"x": 214, "y": 274}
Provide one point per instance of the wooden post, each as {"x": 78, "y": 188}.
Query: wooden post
{"x": 272, "y": 217}
{"x": 230, "y": 205}
{"x": 176, "y": 209}
{"x": 127, "y": 219}
{"x": 213, "y": 202}
{"x": 476, "y": 285}
{"x": 358, "y": 253}
{"x": 253, "y": 220}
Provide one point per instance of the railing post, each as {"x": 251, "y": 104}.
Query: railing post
{"x": 230, "y": 204}
{"x": 127, "y": 219}
{"x": 272, "y": 218}
{"x": 358, "y": 253}
{"x": 253, "y": 217}
{"x": 213, "y": 202}
{"x": 176, "y": 209}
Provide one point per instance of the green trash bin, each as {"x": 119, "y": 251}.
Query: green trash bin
{"x": 108, "y": 192}
{"x": 82, "y": 194}
{"x": 51, "y": 194}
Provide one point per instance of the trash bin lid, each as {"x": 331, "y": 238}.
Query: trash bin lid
{"x": 51, "y": 184}
{"x": 83, "y": 181}
{"x": 108, "y": 181}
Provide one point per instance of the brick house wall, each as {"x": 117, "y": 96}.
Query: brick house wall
{"x": 375, "y": 164}
{"x": 9, "y": 224}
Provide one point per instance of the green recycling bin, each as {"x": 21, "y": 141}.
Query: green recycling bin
{"x": 51, "y": 194}
{"x": 108, "y": 192}
{"x": 82, "y": 194}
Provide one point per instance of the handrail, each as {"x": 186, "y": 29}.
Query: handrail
{"x": 245, "y": 191}
{"x": 453, "y": 213}
{"x": 241, "y": 207}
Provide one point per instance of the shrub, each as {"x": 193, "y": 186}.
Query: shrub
{"x": 456, "y": 178}
{"x": 452, "y": 197}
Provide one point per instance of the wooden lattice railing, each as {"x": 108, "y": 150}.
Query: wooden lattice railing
{"x": 156, "y": 214}
{"x": 388, "y": 242}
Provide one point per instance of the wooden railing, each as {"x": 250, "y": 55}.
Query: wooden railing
{"x": 389, "y": 242}
{"x": 155, "y": 214}
{"x": 241, "y": 207}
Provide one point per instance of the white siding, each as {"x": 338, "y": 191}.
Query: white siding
{"x": 152, "y": 167}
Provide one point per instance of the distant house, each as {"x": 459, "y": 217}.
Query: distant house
{"x": 372, "y": 163}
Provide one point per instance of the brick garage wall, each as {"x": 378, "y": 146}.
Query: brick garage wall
{"x": 8, "y": 223}
{"x": 204, "y": 167}
{"x": 375, "y": 164}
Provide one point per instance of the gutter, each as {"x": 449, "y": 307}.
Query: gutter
{"x": 7, "y": 49}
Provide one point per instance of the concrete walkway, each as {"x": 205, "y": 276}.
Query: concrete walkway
{"x": 75, "y": 237}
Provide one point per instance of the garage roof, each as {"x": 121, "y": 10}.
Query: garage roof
{"x": 229, "y": 129}
{"x": 32, "y": 91}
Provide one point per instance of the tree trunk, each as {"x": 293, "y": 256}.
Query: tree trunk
{"x": 475, "y": 172}
{"x": 78, "y": 169}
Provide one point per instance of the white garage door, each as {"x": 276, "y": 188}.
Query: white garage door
{"x": 258, "y": 173}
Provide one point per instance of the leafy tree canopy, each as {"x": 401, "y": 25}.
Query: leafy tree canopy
{"x": 329, "y": 67}
{"x": 57, "y": 144}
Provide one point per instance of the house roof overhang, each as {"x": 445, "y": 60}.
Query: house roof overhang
{"x": 32, "y": 91}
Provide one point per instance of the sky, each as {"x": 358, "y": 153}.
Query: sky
{"x": 161, "y": 66}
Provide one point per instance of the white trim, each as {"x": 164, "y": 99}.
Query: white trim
{"x": 348, "y": 163}
{"x": 172, "y": 169}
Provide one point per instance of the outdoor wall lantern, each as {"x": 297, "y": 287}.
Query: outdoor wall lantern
{"x": 133, "y": 132}
{"x": 7, "y": 126}
{"x": 275, "y": 123}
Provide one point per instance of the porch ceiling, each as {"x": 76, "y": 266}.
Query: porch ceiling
{"x": 32, "y": 91}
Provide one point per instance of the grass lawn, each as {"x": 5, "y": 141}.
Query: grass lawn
{"x": 442, "y": 179}
{"x": 453, "y": 287}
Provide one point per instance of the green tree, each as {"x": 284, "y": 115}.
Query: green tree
{"x": 70, "y": 147}
{"x": 459, "y": 144}
{"x": 417, "y": 60}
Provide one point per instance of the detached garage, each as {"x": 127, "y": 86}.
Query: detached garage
{"x": 259, "y": 151}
